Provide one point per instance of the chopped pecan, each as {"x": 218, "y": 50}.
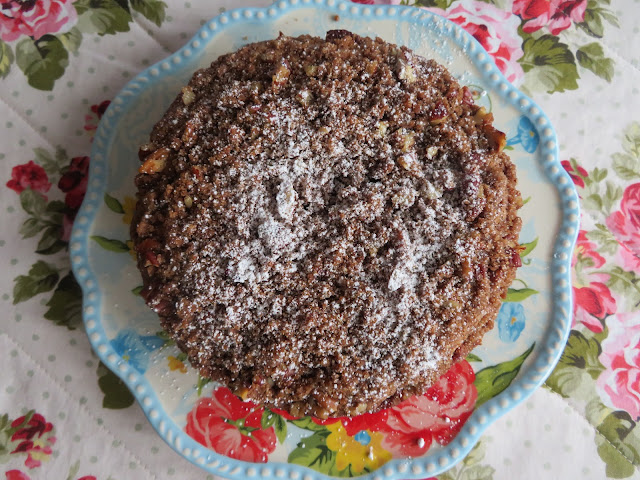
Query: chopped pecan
{"x": 155, "y": 162}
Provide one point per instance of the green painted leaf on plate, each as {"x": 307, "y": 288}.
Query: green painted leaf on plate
{"x": 491, "y": 381}
{"x": 113, "y": 203}
{"x": 518, "y": 295}
{"x": 528, "y": 247}
{"x": 313, "y": 452}
{"x": 110, "y": 244}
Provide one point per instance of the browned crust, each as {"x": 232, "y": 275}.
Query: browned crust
{"x": 186, "y": 191}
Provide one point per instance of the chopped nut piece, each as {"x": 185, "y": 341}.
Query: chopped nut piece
{"x": 304, "y": 97}
{"x": 439, "y": 114}
{"x": 188, "y": 201}
{"x": 311, "y": 70}
{"x": 280, "y": 78}
{"x": 188, "y": 96}
{"x": 155, "y": 162}
{"x": 432, "y": 152}
{"x": 408, "y": 140}
{"x": 407, "y": 161}
{"x": 324, "y": 130}
{"x": 406, "y": 72}
{"x": 382, "y": 128}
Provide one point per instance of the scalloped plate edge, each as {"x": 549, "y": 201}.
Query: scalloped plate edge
{"x": 548, "y": 353}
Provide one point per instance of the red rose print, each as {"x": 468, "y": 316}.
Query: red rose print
{"x": 365, "y": 2}
{"x": 231, "y": 427}
{"x": 437, "y": 415}
{"x": 92, "y": 119}
{"x": 35, "y": 18}
{"x": 586, "y": 250}
{"x": 88, "y": 477}
{"x": 619, "y": 384}
{"x": 577, "y": 179}
{"x": 35, "y": 439}
{"x": 16, "y": 475}
{"x": 625, "y": 223}
{"x": 592, "y": 304}
{"x": 29, "y": 175}
{"x": 74, "y": 184}
{"x": 495, "y": 29}
{"x": 556, "y": 15}
{"x": 592, "y": 300}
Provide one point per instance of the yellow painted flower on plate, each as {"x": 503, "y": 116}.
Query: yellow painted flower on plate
{"x": 363, "y": 450}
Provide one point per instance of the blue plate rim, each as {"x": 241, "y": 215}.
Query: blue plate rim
{"x": 482, "y": 417}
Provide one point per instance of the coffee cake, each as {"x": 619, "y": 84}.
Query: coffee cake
{"x": 326, "y": 225}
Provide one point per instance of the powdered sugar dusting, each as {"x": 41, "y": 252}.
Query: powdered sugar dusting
{"x": 335, "y": 198}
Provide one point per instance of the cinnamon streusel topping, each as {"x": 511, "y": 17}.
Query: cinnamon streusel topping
{"x": 325, "y": 226}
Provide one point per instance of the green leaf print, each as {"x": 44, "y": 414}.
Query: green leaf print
{"x": 604, "y": 238}
{"x": 65, "y": 305}
{"x": 627, "y": 164}
{"x": 42, "y": 277}
{"x": 578, "y": 366}
{"x": 116, "y": 393}
{"x": 52, "y": 164}
{"x": 621, "y": 433}
{"x": 110, "y": 244}
{"x": 32, "y": 202}
{"x": 625, "y": 283}
{"x": 582, "y": 352}
{"x": 471, "y": 467}
{"x": 6, "y": 59}
{"x": 43, "y": 61}
{"x": 592, "y": 58}
{"x": 102, "y": 16}
{"x": 594, "y": 17}
{"x": 492, "y": 381}
{"x": 617, "y": 465}
{"x": 50, "y": 242}
{"x": 549, "y": 63}
{"x": 154, "y": 10}
{"x": 113, "y": 204}
{"x": 71, "y": 40}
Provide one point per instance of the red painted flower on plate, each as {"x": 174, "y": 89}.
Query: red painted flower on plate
{"x": 29, "y": 175}
{"x": 231, "y": 427}
{"x": 35, "y": 18}
{"x": 556, "y": 15}
{"x": 437, "y": 415}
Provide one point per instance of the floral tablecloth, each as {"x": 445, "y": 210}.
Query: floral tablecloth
{"x": 65, "y": 415}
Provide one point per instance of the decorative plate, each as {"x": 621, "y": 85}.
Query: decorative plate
{"x": 418, "y": 438}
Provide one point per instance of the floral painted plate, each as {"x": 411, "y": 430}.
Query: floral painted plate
{"x": 421, "y": 437}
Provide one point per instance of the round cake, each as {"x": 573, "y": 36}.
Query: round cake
{"x": 326, "y": 225}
